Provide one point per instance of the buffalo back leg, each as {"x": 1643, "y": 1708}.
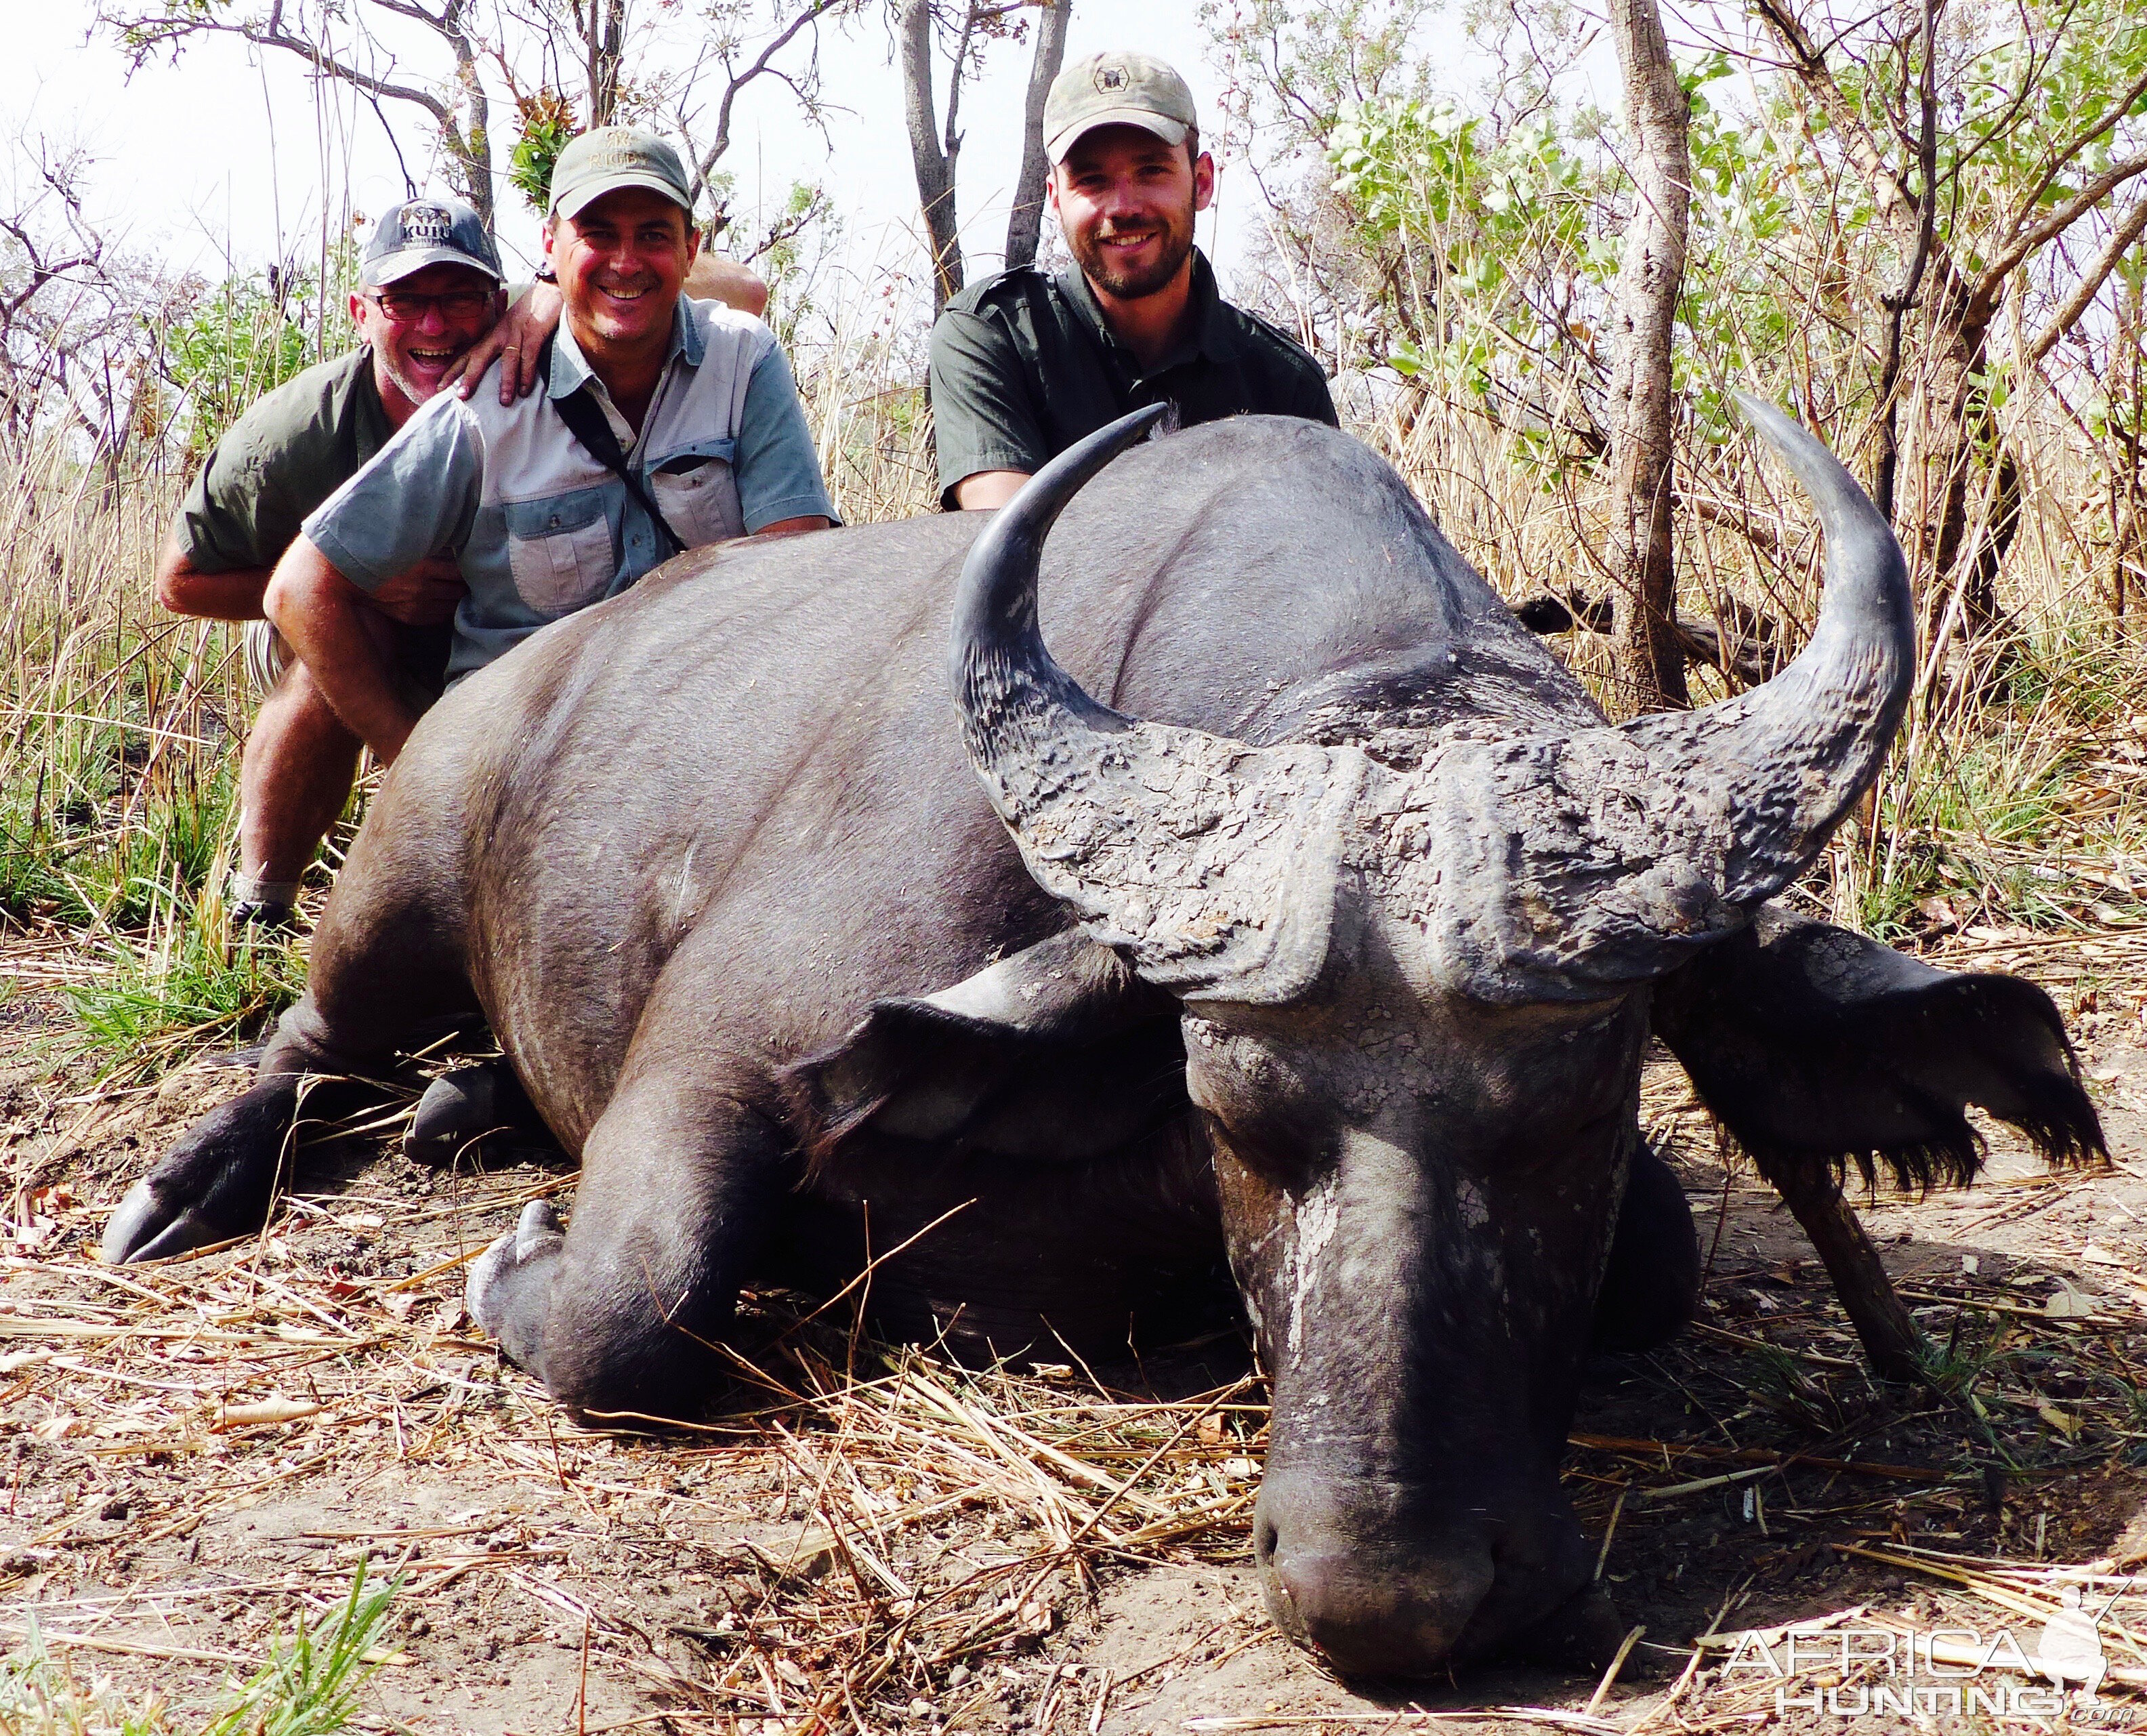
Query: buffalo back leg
{"x": 624, "y": 1312}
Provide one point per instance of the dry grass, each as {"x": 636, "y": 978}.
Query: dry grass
{"x": 873, "y": 1539}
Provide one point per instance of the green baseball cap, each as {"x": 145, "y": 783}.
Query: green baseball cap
{"x": 607, "y": 159}
{"x": 1117, "y": 89}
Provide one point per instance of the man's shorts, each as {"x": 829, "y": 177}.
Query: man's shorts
{"x": 421, "y": 660}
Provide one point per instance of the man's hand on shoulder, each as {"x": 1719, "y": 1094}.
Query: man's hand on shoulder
{"x": 426, "y": 596}
{"x": 519, "y": 336}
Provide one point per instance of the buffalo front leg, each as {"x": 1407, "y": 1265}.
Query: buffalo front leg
{"x": 1651, "y": 1283}
{"x": 221, "y": 1179}
{"x": 624, "y": 1310}
{"x": 1891, "y": 1340}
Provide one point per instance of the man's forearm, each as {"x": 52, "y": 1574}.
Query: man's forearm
{"x": 233, "y": 595}
{"x": 323, "y": 617}
{"x": 981, "y": 490}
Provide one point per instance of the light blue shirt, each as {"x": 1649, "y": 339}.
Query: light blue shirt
{"x": 537, "y": 526}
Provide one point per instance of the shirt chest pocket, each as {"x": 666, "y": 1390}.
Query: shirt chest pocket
{"x": 697, "y": 493}
{"x": 559, "y": 551}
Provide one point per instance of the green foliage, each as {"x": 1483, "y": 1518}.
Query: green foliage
{"x": 251, "y": 333}
{"x": 1328, "y": 60}
{"x": 308, "y": 1687}
{"x": 40, "y": 1696}
{"x": 1501, "y": 263}
{"x": 184, "y": 987}
{"x": 546, "y": 123}
{"x": 796, "y": 238}
{"x": 108, "y": 838}
{"x": 1986, "y": 819}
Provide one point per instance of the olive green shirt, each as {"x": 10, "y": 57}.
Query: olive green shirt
{"x": 280, "y": 460}
{"x": 290, "y": 451}
{"x": 1023, "y": 365}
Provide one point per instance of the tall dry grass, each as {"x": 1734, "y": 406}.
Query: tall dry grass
{"x": 119, "y": 771}
{"x": 2013, "y": 798}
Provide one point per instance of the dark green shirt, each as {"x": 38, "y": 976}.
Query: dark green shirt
{"x": 279, "y": 461}
{"x": 1023, "y": 365}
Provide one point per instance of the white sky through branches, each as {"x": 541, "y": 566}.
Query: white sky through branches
{"x": 225, "y": 157}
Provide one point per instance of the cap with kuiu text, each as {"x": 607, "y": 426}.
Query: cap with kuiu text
{"x": 419, "y": 233}
{"x": 1117, "y": 89}
{"x": 606, "y": 159}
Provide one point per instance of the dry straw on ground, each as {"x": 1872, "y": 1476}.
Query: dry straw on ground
{"x": 875, "y": 1540}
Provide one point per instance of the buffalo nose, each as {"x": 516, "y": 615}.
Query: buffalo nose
{"x": 1388, "y": 1580}
{"x": 1371, "y": 1623}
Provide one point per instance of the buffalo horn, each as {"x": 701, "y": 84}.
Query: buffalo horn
{"x": 1211, "y": 866}
{"x": 1575, "y": 865}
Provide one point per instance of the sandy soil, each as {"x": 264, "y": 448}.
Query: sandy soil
{"x": 882, "y": 1541}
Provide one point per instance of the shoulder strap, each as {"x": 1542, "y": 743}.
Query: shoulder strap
{"x": 587, "y": 424}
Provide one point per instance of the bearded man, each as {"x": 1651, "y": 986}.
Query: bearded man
{"x": 1024, "y": 364}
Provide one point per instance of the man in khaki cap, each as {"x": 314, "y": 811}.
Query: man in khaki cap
{"x": 1024, "y": 364}
{"x": 662, "y": 423}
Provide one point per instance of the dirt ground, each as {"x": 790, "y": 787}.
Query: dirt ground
{"x": 194, "y": 1453}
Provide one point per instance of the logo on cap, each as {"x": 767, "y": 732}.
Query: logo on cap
{"x": 427, "y": 226}
{"x": 1110, "y": 78}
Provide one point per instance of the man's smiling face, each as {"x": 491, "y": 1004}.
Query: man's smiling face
{"x": 411, "y": 357}
{"x": 1125, "y": 201}
{"x": 621, "y": 259}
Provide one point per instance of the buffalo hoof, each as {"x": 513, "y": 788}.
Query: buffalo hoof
{"x": 504, "y": 1295}
{"x": 218, "y": 1182}
{"x": 462, "y": 1107}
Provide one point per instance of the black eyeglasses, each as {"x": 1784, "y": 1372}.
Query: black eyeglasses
{"x": 406, "y": 307}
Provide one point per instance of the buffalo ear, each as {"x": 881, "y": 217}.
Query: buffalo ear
{"x": 1058, "y": 1052}
{"x": 1818, "y": 1047}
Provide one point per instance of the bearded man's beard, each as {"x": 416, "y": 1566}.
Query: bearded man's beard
{"x": 1106, "y": 273}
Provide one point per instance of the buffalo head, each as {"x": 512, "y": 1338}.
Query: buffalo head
{"x": 1414, "y": 978}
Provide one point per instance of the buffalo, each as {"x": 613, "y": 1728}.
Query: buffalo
{"x": 1292, "y": 931}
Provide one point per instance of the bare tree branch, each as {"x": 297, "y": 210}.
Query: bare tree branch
{"x": 2088, "y": 285}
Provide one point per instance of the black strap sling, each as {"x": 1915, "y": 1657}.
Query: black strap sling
{"x": 587, "y": 422}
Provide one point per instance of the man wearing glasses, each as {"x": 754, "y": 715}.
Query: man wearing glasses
{"x": 430, "y": 290}
{"x": 662, "y": 423}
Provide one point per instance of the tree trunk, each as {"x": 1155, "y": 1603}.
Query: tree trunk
{"x": 2128, "y": 392}
{"x": 1898, "y": 303}
{"x": 469, "y": 147}
{"x": 604, "y": 25}
{"x": 1643, "y": 570}
{"x": 935, "y": 170}
{"x": 1892, "y": 1342}
{"x": 1027, "y": 223}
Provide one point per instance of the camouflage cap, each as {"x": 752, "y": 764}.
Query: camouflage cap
{"x": 607, "y": 159}
{"x": 1117, "y": 89}
{"x": 419, "y": 233}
